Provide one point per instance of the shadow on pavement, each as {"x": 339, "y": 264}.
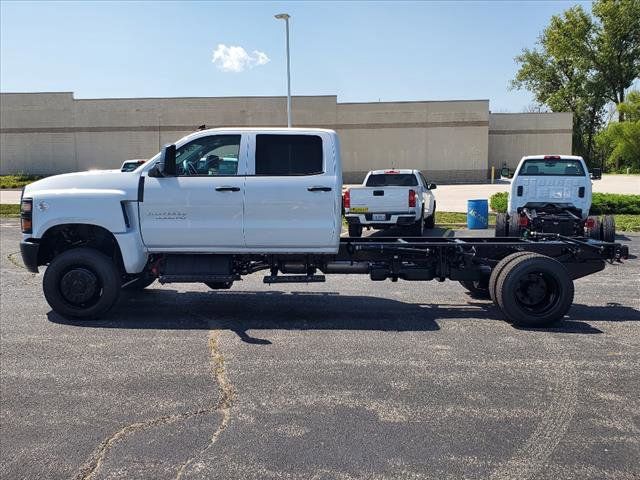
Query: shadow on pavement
{"x": 276, "y": 310}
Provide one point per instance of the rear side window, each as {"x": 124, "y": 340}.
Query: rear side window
{"x": 556, "y": 168}
{"x": 392, "y": 180}
{"x": 286, "y": 155}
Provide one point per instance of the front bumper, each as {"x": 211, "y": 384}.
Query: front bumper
{"x": 29, "y": 252}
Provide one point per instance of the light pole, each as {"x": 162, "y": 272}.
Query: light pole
{"x": 285, "y": 17}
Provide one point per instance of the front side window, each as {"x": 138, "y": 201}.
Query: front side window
{"x": 556, "y": 168}
{"x": 215, "y": 155}
{"x": 287, "y": 155}
{"x": 392, "y": 180}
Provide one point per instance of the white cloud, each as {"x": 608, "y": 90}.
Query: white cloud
{"x": 236, "y": 59}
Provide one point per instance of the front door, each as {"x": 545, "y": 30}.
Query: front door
{"x": 201, "y": 208}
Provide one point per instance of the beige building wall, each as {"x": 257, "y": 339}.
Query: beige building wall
{"x": 514, "y": 135}
{"x": 450, "y": 141}
{"x": 446, "y": 140}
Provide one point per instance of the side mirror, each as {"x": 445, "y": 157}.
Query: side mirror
{"x": 168, "y": 160}
{"x": 596, "y": 174}
{"x": 155, "y": 171}
{"x": 432, "y": 186}
{"x": 505, "y": 172}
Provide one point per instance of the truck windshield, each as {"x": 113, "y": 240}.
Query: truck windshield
{"x": 392, "y": 180}
{"x": 562, "y": 168}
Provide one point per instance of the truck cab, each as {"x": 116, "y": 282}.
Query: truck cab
{"x": 552, "y": 194}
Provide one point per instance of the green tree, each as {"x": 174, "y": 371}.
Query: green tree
{"x": 619, "y": 142}
{"x": 582, "y": 63}
{"x": 614, "y": 47}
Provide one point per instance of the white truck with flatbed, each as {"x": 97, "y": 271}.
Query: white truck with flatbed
{"x": 224, "y": 203}
{"x": 552, "y": 194}
{"x": 391, "y": 198}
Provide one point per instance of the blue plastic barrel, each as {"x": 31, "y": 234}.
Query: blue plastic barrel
{"x": 477, "y": 214}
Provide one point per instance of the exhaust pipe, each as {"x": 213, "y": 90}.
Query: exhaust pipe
{"x": 346, "y": 267}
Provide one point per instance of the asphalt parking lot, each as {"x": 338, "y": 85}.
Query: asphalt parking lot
{"x": 350, "y": 379}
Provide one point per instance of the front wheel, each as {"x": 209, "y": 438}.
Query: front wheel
{"x": 81, "y": 282}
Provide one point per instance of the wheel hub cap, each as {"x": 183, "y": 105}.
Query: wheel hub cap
{"x": 79, "y": 285}
{"x": 532, "y": 290}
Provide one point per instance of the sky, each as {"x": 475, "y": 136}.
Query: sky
{"x": 360, "y": 51}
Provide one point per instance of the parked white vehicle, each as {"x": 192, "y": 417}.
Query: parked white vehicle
{"x": 552, "y": 194}
{"x": 224, "y": 203}
{"x": 389, "y": 198}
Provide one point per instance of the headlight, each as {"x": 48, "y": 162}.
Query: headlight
{"x": 26, "y": 211}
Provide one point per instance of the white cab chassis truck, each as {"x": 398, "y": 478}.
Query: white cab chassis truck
{"x": 389, "y": 198}
{"x": 552, "y": 194}
{"x": 223, "y": 203}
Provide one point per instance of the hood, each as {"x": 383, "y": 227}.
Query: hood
{"x": 91, "y": 180}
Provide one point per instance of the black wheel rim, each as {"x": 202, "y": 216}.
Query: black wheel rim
{"x": 537, "y": 292}
{"x": 80, "y": 287}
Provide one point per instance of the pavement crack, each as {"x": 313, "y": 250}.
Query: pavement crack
{"x": 12, "y": 257}
{"x": 95, "y": 461}
{"x": 227, "y": 396}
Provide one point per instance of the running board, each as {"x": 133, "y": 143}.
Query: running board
{"x": 294, "y": 278}
{"x": 197, "y": 278}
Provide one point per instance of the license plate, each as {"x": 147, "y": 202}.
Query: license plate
{"x": 358, "y": 209}
{"x": 378, "y": 217}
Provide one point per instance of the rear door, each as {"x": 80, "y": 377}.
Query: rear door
{"x": 292, "y": 196}
{"x": 201, "y": 208}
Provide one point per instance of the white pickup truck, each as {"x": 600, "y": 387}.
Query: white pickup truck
{"x": 389, "y": 198}
{"x": 224, "y": 203}
{"x": 552, "y": 194}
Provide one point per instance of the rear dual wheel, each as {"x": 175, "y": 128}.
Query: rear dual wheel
{"x": 532, "y": 290}
{"x": 502, "y": 225}
{"x": 608, "y": 229}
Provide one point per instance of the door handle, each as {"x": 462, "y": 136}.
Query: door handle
{"x": 319, "y": 189}
{"x": 227, "y": 188}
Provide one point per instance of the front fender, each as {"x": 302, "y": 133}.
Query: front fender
{"x": 89, "y": 206}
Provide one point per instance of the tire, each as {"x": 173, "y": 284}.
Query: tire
{"x": 502, "y": 225}
{"x": 495, "y": 273}
{"x": 417, "y": 229}
{"x": 596, "y": 231}
{"x": 514, "y": 230}
{"x": 430, "y": 221}
{"x": 219, "y": 285}
{"x": 534, "y": 291}
{"x": 477, "y": 288}
{"x": 355, "y": 230}
{"x": 81, "y": 283}
{"x": 608, "y": 229}
{"x": 140, "y": 283}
